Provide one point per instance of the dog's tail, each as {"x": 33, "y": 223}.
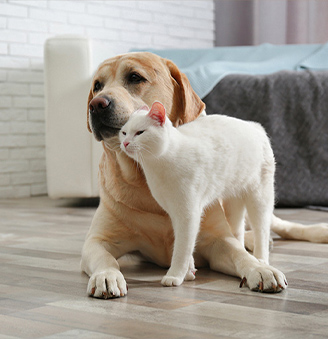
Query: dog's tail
{"x": 294, "y": 231}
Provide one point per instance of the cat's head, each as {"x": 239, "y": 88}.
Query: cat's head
{"x": 145, "y": 133}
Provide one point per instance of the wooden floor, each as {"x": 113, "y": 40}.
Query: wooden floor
{"x": 43, "y": 292}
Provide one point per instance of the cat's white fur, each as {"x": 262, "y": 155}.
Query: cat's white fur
{"x": 189, "y": 167}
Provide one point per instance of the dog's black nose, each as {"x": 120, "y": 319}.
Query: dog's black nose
{"x": 99, "y": 105}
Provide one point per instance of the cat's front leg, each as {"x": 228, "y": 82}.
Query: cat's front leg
{"x": 170, "y": 280}
{"x": 182, "y": 264}
{"x": 191, "y": 274}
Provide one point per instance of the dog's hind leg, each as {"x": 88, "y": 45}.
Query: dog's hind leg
{"x": 317, "y": 233}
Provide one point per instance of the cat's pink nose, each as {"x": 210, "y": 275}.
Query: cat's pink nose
{"x": 126, "y": 143}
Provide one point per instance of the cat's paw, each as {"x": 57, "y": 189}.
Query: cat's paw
{"x": 171, "y": 281}
{"x": 191, "y": 275}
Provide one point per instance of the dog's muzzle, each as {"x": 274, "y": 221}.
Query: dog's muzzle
{"x": 104, "y": 122}
{"x": 99, "y": 105}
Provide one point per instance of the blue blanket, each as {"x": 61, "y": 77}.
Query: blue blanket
{"x": 206, "y": 67}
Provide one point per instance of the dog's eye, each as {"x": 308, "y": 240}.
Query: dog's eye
{"x": 97, "y": 86}
{"x": 135, "y": 78}
{"x": 139, "y": 132}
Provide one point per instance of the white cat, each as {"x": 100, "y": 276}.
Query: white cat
{"x": 187, "y": 168}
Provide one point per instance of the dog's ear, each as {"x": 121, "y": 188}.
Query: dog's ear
{"x": 187, "y": 105}
{"x": 90, "y": 97}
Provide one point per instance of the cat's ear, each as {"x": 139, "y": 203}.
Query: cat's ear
{"x": 157, "y": 113}
{"x": 144, "y": 108}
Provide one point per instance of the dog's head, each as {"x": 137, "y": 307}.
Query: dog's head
{"x": 124, "y": 83}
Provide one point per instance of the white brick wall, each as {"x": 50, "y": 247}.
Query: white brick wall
{"x": 120, "y": 25}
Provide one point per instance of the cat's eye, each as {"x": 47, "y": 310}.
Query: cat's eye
{"x": 124, "y": 133}
{"x": 139, "y": 132}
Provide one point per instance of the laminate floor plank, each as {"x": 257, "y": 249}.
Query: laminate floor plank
{"x": 43, "y": 291}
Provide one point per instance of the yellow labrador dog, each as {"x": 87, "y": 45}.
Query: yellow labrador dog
{"x": 128, "y": 218}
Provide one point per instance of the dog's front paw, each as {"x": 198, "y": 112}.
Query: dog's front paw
{"x": 171, "y": 281}
{"x": 265, "y": 278}
{"x": 106, "y": 284}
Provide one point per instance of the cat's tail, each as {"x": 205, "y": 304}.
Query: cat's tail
{"x": 295, "y": 231}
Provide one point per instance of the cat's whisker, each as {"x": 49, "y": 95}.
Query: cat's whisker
{"x": 144, "y": 148}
